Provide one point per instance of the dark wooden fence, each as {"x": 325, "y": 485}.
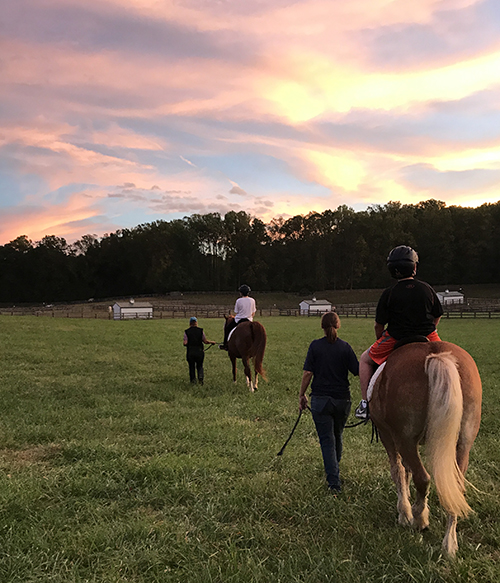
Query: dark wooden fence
{"x": 488, "y": 310}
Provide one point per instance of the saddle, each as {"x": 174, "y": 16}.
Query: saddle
{"x": 380, "y": 368}
{"x": 409, "y": 340}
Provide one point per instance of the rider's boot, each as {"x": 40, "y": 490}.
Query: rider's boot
{"x": 362, "y": 410}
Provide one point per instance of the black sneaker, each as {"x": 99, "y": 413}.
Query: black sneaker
{"x": 362, "y": 410}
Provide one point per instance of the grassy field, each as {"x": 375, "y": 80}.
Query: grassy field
{"x": 114, "y": 468}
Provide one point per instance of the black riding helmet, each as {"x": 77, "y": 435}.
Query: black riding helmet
{"x": 402, "y": 262}
{"x": 244, "y": 289}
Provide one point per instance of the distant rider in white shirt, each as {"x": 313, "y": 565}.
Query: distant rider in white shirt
{"x": 244, "y": 311}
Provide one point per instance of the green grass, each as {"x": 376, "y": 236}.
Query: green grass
{"x": 114, "y": 468}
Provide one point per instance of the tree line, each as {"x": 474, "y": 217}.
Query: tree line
{"x": 335, "y": 249}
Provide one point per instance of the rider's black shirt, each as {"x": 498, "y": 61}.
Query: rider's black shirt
{"x": 409, "y": 308}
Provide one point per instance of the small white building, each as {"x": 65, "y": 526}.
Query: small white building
{"x": 132, "y": 310}
{"x": 450, "y": 297}
{"x": 314, "y": 306}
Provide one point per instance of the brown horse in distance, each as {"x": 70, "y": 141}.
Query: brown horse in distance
{"x": 248, "y": 342}
{"x": 429, "y": 393}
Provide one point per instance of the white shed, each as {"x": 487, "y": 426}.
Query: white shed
{"x": 315, "y": 306}
{"x": 450, "y": 297}
{"x": 132, "y": 310}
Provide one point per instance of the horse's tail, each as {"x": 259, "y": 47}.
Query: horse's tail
{"x": 444, "y": 417}
{"x": 259, "y": 339}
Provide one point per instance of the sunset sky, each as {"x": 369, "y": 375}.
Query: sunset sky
{"x": 120, "y": 112}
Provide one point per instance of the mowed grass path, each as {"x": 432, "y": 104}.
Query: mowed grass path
{"x": 115, "y": 468}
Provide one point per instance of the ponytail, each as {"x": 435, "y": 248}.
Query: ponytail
{"x": 330, "y": 322}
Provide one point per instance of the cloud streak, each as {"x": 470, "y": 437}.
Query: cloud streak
{"x": 122, "y": 112}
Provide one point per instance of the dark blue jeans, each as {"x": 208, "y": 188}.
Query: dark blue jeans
{"x": 330, "y": 416}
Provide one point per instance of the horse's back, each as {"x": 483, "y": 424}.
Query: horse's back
{"x": 247, "y": 339}
{"x": 401, "y": 393}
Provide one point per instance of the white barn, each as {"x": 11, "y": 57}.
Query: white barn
{"x": 315, "y": 306}
{"x": 132, "y": 310}
{"x": 450, "y": 297}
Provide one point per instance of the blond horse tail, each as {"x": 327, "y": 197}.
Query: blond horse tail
{"x": 444, "y": 417}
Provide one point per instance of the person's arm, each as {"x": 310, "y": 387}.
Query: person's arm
{"x": 379, "y": 329}
{"x": 185, "y": 341}
{"x": 306, "y": 379}
{"x": 436, "y": 321}
{"x": 205, "y": 341}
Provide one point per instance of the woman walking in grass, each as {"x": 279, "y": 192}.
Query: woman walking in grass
{"x": 194, "y": 338}
{"x": 328, "y": 363}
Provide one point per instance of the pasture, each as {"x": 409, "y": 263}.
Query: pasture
{"x": 115, "y": 468}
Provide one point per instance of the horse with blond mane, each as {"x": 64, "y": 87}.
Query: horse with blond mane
{"x": 430, "y": 393}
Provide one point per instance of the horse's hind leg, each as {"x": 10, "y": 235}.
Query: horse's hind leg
{"x": 256, "y": 377}
{"x": 466, "y": 438}
{"x": 421, "y": 479}
{"x": 248, "y": 374}
{"x": 233, "y": 362}
{"x": 400, "y": 477}
{"x": 450, "y": 543}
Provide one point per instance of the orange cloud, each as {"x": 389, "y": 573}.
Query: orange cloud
{"x": 60, "y": 220}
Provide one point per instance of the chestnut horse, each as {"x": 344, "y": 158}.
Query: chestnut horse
{"x": 247, "y": 341}
{"x": 429, "y": 392}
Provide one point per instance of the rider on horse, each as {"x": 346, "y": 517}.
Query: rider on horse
{"x": 409, "y": 308}
{"x": 244, "y": 311}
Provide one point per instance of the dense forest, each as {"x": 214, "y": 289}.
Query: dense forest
{"x": 336, "y": 249}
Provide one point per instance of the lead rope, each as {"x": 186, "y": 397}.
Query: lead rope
{"x": 291, "y": 433}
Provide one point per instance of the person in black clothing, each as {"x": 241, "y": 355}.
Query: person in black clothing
{"x": 409, "y": 308}
{"x": 194, "y": 338}
{"x": 328, "y": 363}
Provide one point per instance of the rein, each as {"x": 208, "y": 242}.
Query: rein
{"x": 210, "y": 346}
{"x": 292, "y": 432}
{"x": 364, "y": 422}
{"x": 350, "y": 426}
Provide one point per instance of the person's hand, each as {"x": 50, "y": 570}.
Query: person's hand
{"x": 302, "y": 402}
{"x": 213, "y": 342}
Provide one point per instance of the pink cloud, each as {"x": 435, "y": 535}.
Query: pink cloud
{"x": 63, "y": 220}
